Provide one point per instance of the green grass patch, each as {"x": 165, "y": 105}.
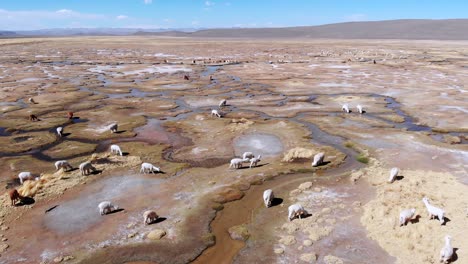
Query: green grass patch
{"x": 349, "y": 144}
{"x": 363, "y": 159}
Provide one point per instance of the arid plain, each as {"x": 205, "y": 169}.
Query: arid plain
{"x": 284, "y": 102}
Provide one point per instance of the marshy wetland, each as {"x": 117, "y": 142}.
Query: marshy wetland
{"x": 284, "y": 102}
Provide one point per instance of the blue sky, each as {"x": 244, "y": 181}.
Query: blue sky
{"x": 40, "y": 14}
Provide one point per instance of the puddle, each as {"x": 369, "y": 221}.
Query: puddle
{"x": 209, "y": 70}
{"x": 259, "y": 144}
{"x": 111, "y": 189}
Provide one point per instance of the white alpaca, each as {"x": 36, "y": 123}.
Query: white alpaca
{"x": 296, "y": 210}
{"x": 268, "y": 197}
{"x": 434, "y": 211}
{"x": 318, "y": 159}
{"x": 215, "y": 112}
{"x": 26, "y": 175}
{"x": 113, "y": 128}
{"x": 31, "y": 101}
{"x": 149, "y": 217}
{"x": 255, "y": 161}
{"x": 237, "y": 163}
{"x": 107, "y": 207}
{"x": 63, "y": 164}
{"x": 393, "y": 174}
{"x": 149, "y": 168}
{"x": 59, "y": 131}
{"x": 248, "y": 155}
{"x": 345, "y": 108}
{"x": 86, "y": 168}
{"x": 447, "y": 251}
{"x": 223, "y": 103}
{"x": 116, "y": 149}
{"x": 359, "y": 108}
{"x": 406, "y": 215}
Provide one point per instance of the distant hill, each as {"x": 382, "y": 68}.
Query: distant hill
{"x": 447, "y": 29}
{"x": 7, "y": 33}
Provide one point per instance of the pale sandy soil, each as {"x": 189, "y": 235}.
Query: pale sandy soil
{"x": 421, "y": 240}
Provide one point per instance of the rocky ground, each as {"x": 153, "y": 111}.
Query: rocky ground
{"x": 284, "y": 103}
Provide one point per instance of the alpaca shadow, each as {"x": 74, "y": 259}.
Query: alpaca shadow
{"x": 72, "y": 169}
{"x": 115, "y": 211}
{"x": 304, "y": 216}
{"x": 415, "y": 219}
{"x": 51, "y": 208}
{"x": 399, "y": 178}
{"x": 159, "y": 220}
{"x": 26, "y": 201}
{"x": 95, "y": 172}
{"x": 125, "y": 153}
{"x": 65, "y": 134}
{"x": 364, "y": 111}
{"x": 247, "y": 167}
{"x": 446, "y": 220}
{"x": 276, "y": 202}
{"x": 323, "y": 163}
{"x": 454, "y": 255}
{"x": 120, "y": 131}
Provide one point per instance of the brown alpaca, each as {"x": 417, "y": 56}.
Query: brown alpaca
{"x": 33, "y": 117}
{"x": 14, "y": 196}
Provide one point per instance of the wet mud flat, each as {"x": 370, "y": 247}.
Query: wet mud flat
{"x": 280, "y": 96}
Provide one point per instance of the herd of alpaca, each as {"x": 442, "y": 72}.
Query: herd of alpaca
{"x": 294, "y": 210}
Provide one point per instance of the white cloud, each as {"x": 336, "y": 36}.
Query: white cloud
{"x": 355, "y": 17}
{"x": 209, "y": 3}
{"x": 120, "y": 17}
{"x": 195, "y": 23}
{"x": 36, "y": 19}
{"x": 147, "y": 2}
{"x": 64, "y": 11}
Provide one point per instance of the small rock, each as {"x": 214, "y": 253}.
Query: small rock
{"x": 211, "y": 182}
{"x": 309, "y": 257}
{"x": 279, "y": 251}
{"x": 305, "y": 186}
{"x": 239, "y": 232}
{"x": 307, "y": 243}
{"x": 131, "y": 235}
{"x": 288, "y": 240}
{"x": 130, "y": 225}
{"x": 295, "y": 192}
{"x": 67, "y": 258}
{"x": 4, "y": 239}
{"x": 3, "y": 247}
{"x": 58, "y": 259}
{"x": 332, "y": 260}
{"x": 156, "y": 234}
{"x": 317, "y": 189}
{"x": 326, "y": 210}
{"x": 4, "y": 228}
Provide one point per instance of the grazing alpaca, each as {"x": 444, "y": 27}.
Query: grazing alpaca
{"x": 215, "y": 112}
{"x": 33, "y": 117}
{"x": 149, "y": 217}
{"x": 60, "y": 131}
{"x": 70, "y": 115}
{"x": 14, "y": 196}
{"x": 447, "y": 251}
